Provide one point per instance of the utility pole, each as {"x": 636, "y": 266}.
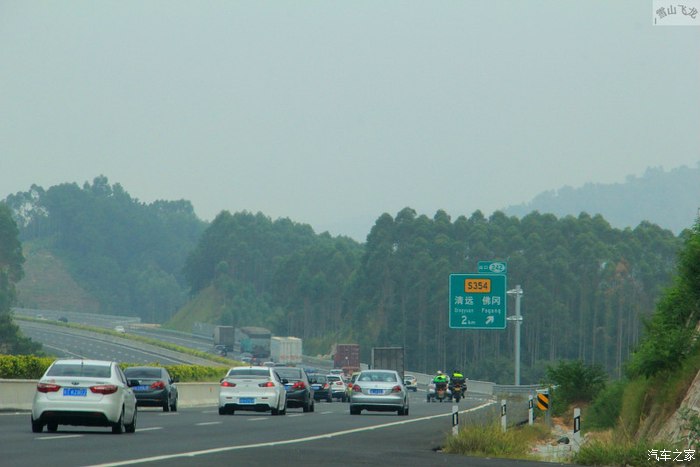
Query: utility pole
{"x": 518, "y": 292}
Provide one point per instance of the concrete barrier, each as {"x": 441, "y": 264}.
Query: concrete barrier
{"x": 17, "y": 394}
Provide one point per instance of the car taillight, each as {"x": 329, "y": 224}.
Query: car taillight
{"x": 338, "y": 383}
{"x": 299, "y": 385}
{"x": 396, "y": 388}
{"x": 47, "y": 387}
{"x": 228, "y": 384}
{"x": 158, "y": 385}
{"x": 104, "y": 389}
{"x": 325, "y": 386}
{"x": 357, "y": 388}
{"x": 269, "y": 384}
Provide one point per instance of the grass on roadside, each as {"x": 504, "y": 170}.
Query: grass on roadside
{"x": 637, "y": 453}
{"x": 491, "y": 441}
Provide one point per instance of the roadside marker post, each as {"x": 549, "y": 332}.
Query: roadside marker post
{"x": 503, "y": 415}
{"x": 455, "y": 420}
{"x": 530, "y": 410}
{"x": 577, "y": 428}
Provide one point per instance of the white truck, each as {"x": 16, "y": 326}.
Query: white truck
{"x": 285, "y": 350}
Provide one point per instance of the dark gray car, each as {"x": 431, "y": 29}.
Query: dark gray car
{"x": 155, "y": 388}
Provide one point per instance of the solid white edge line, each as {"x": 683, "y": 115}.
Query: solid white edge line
{"x": 284, "y": 442}
{"x": 44, "y": 438}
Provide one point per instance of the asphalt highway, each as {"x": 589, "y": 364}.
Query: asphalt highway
{"x": 202, "y": 437}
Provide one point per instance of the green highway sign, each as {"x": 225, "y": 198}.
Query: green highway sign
{"x": 477, "y": 301}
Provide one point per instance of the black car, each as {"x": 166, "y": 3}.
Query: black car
{"x": 321, "y": 387}
{"x": 299, "y": 390}
{"x": 155, "y": 387}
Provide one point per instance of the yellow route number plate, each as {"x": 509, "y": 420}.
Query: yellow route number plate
{"x": 477, "y": 285}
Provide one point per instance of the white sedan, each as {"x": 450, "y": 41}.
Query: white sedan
{"x": 255, "y": 388}
{"x": 84, "y": 392}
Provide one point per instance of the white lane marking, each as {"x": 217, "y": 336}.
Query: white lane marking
{"x": 326, "y": 412}
{"x": 151, "y": 428}
{"x": 295, "y": 415}
{"x": 256, "y": 419}
{"x": 208, "y": 423}
{"x": 59, "y": 437}
{"x": 284, "y": 442}
{"x": 210, "y": 411}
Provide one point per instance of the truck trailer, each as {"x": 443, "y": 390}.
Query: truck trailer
{"x": 388, "y": 358}
{"x": 286, "y": 350}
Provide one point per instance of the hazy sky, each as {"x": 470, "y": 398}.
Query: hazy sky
{"x": 332, "y": 113}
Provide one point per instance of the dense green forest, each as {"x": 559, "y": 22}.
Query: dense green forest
{"x": 128, "y": 255}
{"x": 669, "y": 199}
{"x": 587, "y": 286}
{"x": 11, "y": 260}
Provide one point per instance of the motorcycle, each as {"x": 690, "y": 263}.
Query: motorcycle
{"x": 440, "y": 391}
{"x": 458, "y": 388}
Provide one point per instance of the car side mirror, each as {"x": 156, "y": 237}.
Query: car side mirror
{"x": 132, "y": 382}
{"x": 175, "y": 380}
{"x": 285, "y": 381}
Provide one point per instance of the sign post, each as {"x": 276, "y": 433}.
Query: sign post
{"x": 477, "y": 301}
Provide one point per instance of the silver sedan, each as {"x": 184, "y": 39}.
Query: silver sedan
{"x": 379, "y": 390}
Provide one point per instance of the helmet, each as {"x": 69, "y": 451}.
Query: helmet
{"x": 439, "y": 372}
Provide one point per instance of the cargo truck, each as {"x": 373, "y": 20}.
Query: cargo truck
{"x": 388, "y": 358}
{"x": 224, "y": 337}
{"x": 253, "y": 340}
{"x": 286, "y": 350}
{"x": 347, "y": 357}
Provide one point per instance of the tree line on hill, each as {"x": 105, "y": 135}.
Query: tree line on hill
{"x": 588, "y": 286}
{"x": 126, "y": 254}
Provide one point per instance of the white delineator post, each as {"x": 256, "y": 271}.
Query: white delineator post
{"x": 503, "y": 415}
{"x": 455, "y": 420}
{"x": 577, "y": 428}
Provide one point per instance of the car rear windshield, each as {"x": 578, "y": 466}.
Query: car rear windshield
{"x": 77, "y": 369}
{"x": 317, "y": 379}
{"x": 153, "y": 373}
{"x": 378, "y": 376}
{"x": 248, "y": 372}
{"x": 334, "y": 378}
{"x": 289, "y": 373}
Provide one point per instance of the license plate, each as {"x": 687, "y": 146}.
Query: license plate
{"x": 79, "y": 392}
{"x": 316, "y": 386}
{"x": 376, "y": 391}
{"x": 246, "y": 400}
{"x": 141, "y": 388}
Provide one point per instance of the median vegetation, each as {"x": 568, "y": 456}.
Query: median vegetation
{"x": 30, "y": 367}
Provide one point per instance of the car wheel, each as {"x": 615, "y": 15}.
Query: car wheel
{"x": 118, "y": 428}
{"x": 166, "y": 404}
{"x": 330, "y": 399}
{"x": 307, "y": 406}
{"x": 173, "y": 406}
{"x": 131, "y": 427}
{"x": 274, "y": 411}
{"x": 284, "y": 410}
{"x": 52, "y": 427}
{"x": 355, "y": 410}
{"x": 37, "y": 427}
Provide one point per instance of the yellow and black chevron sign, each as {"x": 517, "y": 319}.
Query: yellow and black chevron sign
{"x": 542, "y": 401}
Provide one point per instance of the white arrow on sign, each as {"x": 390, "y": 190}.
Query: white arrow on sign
{"x": 490, "y": 319}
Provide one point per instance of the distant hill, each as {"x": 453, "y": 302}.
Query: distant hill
{"x": 669, "y": 199}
